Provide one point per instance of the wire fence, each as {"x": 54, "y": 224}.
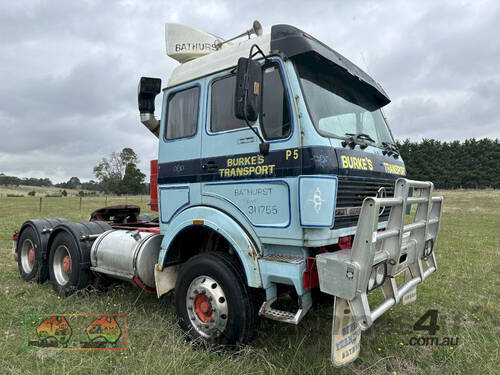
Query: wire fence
{"x": 76, "y": 208}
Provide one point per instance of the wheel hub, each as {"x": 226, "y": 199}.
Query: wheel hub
{"x": 31, "y": 255}
{"x": 66, "y": 264}
{"x": 203, "y": 308}
{"x": 62, "y": 265}
{"x": 27, "y": 256}
{"x": 207, "y": 306}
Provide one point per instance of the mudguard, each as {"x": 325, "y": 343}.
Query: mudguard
{"x": 42, "y": 228}
{"x": 81, "y": 232}
{"x": 245, "y": 245}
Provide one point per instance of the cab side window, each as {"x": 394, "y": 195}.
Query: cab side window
{"x": 275, "y": 110}
{"x": 222, "y": 107}
{"x": 182, "y": 113}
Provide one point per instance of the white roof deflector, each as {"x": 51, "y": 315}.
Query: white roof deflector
{"x": 185, "y": 43}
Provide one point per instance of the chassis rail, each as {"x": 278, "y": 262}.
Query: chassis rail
{"x": 402, "y": 247}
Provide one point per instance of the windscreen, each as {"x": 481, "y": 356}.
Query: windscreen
{"x": 336, "y": 109}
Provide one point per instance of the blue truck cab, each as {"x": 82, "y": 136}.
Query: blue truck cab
{"x": 275, "y": 152}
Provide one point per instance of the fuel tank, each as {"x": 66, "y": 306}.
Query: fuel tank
{"x": 125, "y": 254}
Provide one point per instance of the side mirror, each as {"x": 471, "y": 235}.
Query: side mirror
{"x": 248, "y": 86}
{"x": 146, "y": 93}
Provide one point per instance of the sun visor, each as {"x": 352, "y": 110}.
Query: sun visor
{"x": 294, "y": 42}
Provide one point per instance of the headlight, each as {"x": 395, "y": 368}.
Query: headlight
{"x": 377, "y": 276}
{"x": 380, "y": 274}
{"x": 371, "y": 281}
{"x": 429, "y": 246}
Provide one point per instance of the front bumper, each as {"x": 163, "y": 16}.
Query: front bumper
{"x": 402, "y": 247}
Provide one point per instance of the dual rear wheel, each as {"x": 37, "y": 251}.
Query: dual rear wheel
{"x": 31, "y": 264}
{"x": 65, "y": 270}
{"x": 63, "y": 265}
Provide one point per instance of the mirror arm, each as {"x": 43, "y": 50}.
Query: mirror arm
{"x": 259, "y": 51}
{"x": 263, "y": 146}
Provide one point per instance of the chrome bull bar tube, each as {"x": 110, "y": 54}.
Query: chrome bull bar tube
{"x": 403, "y": 247}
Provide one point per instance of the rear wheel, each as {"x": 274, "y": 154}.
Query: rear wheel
{"x": 213, "y": 302}
{"x": 66, "y": 274}
{"x": 31, "y": 265}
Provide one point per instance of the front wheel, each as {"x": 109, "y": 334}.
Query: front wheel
{"x": 213, "y": 302}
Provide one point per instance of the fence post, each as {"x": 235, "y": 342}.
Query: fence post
{"x": 40, "y": 204}
{"x": 126, "y": 199}
{"x": 80, "y": 203}
{"x": 106, "y": 201}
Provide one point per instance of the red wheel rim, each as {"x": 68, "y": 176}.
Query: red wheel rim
{"x": 203, "y": 308}
{"x": 31, "y": 255}
{"x": 66, "y": 264}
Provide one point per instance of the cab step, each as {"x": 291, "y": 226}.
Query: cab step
{"x": 268, "y": 311}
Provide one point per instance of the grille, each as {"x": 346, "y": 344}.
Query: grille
{"x": 351, "y": 193}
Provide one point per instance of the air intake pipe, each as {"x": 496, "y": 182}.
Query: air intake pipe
{"x": 146, "y": 94}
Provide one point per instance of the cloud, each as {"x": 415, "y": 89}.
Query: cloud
{"x": 70, "y": 69}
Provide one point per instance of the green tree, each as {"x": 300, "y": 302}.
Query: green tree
{"x": 111, "y": 172}
{"x": 133, "y": 180}
{"x": 73, "y": 183}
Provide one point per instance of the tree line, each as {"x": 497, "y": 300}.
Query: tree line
{"x": 117, "y": 174}
{"x": 16, "y": 181}
{"x": 452, "y": 165}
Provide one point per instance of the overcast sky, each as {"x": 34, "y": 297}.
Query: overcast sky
{"x": 69, "y": 69}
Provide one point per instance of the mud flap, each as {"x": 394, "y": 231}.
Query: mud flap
{"x": 346, "y": 334}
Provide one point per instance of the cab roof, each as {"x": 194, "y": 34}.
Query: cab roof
{"x": 217, "y": 61}
{"x": 289, "y": 41}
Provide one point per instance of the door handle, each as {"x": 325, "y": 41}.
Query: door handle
{"x": 210, "y": 166}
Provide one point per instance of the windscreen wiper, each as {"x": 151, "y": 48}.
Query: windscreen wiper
{"x": 359, "y": 139}
{"x": 390, "y": 149}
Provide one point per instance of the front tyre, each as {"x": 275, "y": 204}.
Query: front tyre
{"x": 213, "y": 302}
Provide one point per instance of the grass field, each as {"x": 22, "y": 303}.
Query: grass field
{"x": 465, "y": 291}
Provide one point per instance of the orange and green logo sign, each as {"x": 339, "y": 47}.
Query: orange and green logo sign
{"x": 75, "y": 331}
{"x": 105, "y": 327}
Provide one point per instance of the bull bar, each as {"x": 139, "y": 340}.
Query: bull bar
{"x": 402, "y": 247}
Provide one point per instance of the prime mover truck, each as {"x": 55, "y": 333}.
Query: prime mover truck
{"x": 277, "y": 174}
